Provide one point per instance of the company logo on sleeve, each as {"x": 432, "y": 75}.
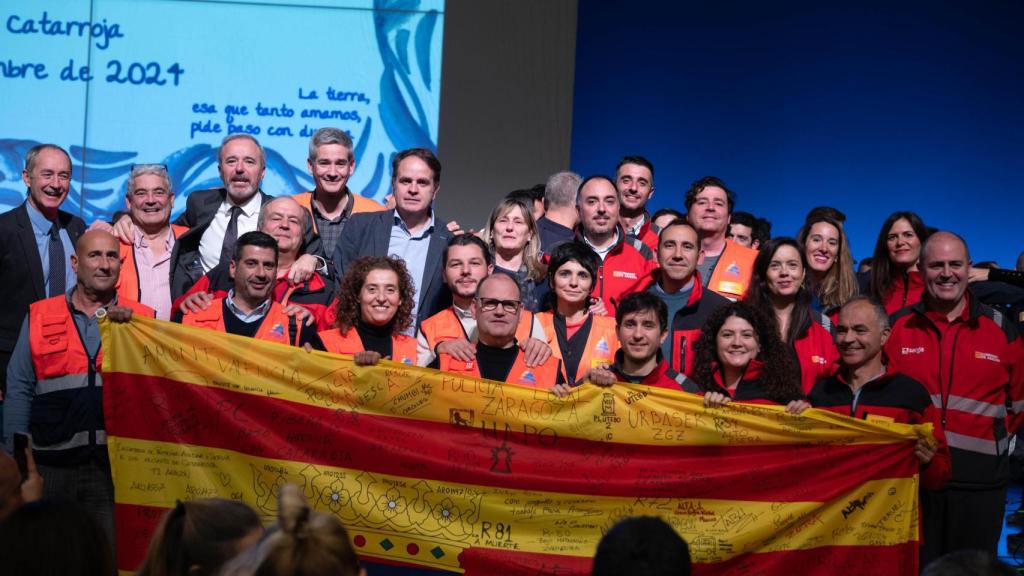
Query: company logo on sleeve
{"x": 907, "y": 351}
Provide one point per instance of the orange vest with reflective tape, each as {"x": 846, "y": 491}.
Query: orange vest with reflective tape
{"x": 53, "y": 338}
{"x": 273, "y": 327}
{"x": 128, "y": 282}
{"x": 543, "y": 376}
{"x": 731, "y": 276}
{"x": 359, "y": 204}
{"x": 403, "y": 348}
{"x": 599, "y": 350}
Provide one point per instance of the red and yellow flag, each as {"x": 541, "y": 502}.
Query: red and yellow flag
{"x": 463, "y": 475}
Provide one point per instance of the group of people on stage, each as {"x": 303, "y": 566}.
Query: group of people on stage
{"x": 570, "y": 283}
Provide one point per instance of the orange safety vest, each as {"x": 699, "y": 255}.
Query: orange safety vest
{"x": 731, "y": 276}
{"x": 445, "y": 325}
{"x": 359, "y": 204}
{"x": 543, "y": 376}
{"x": 599, "y": 350}
{"x": 273, "y": 327}
{"x": 128, "y": 282}
{"x": 64, "y": 378}
{"x": 403, "y": 348}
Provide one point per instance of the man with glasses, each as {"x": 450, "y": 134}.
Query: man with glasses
{"x": 498, "y": 308}
{"x": 146, "y": 258}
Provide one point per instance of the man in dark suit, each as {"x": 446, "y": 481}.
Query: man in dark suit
{"x": 36, "y": 242}
{"x": 410, "y": 231}
{"x": 218, "y": 216}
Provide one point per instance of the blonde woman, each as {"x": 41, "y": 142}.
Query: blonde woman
{"x": 513, "y": 238}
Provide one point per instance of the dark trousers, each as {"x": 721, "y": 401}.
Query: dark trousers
{"x": 89, "y": 485}
{"x": 961, "y": 520}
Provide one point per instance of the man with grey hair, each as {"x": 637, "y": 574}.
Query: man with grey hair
{"x": 560, "y": 215}
{"x": 331, "y": 203}
{"x": 284, "y": 220}
{"x": 146, "y": 256}
{"x": 37, "y": 239}
{"x": 218, "y": 216}
{"x": 970, "y": 358}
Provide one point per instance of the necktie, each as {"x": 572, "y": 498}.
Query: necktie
{"x": 227, "y": 251}
{"x": 57, "y": 259}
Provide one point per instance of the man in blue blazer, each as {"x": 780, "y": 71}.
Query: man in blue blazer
{"x": 411, "y": 231}
{"x": 29, "y": 234}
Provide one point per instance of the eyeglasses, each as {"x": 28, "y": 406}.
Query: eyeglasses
{"x": 489, "y": 304}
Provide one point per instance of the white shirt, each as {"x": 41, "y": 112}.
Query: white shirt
{"x": 212, "y": 242}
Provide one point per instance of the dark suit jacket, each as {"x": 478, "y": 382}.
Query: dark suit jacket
{"x": 21, "y": 269}
{"x": 369, "y": 234}
{"x": 200, "y": 208}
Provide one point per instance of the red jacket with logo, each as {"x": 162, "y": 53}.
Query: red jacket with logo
{"x": 816, "y": 351}
{"x": 626, "y": 269}
{"x": 892, "y": 397}
{"x": 973, "y": 368}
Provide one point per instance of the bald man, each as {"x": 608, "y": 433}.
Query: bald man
{"x": 971, "y": 360}
{"x": 54, "y": 387}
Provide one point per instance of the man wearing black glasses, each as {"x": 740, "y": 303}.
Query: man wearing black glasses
{"x": 498, "y": 308}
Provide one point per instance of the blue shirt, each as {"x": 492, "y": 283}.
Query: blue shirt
{"x": 41, "y": 228}
{"x": 674, "y": 302}
{"x": 256, "y": 315}
{"x": 412, "y": 249}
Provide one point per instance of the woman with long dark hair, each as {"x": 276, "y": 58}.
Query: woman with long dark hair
{"x": 740, "y": 357}
{"x": 895, "y": 280}
{"x": 778, "y": 289}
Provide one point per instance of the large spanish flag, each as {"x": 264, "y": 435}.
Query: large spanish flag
{"x": 461, "y": 475}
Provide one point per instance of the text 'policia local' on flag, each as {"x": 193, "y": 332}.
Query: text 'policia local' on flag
{"x": 463, "y": 475}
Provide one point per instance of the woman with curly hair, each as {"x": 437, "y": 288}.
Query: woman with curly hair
{"x": 894, "y": 279}
{"x": 778, "y": 289}
{"x": 828, "y": 262}
{"x": 514, "y": 240}
{"x": 739, "y": 356}
{"x": 374, "y": 309}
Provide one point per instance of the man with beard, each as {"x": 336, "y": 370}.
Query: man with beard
{"x": 247, "y": 309}
{"x": 218, "y": 216}
{"x": 641, "y": 323}
{"x": 634, "y": 179}
{"x": 727, "y": 266}
{"x": 626, "y": 263}
{"x": 55, "y": 389}
{"x": 453, "y": 330}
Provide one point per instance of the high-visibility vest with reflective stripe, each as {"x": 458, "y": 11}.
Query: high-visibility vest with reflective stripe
{"x": 731, "y": 276}
{"x": 273, "y": 328}
{"x": 445, "y": 325}
{"x": 403, "y": 348}
{"x": 599, "y": 349}
{"x": 543, "y": 376}
{"x": 66, "y": 421}
{"x": 128, "y": 285}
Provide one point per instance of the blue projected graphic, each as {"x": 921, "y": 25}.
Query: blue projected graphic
{"x": 121, "y": 82}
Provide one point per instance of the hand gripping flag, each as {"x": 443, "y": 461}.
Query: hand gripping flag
{"x": 460, "y": 475}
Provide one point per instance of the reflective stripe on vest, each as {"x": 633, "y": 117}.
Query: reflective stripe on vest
{"x": 970, "y": 406}
{"x": 972, "y": 444}
{"x": 78, "y": 440}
